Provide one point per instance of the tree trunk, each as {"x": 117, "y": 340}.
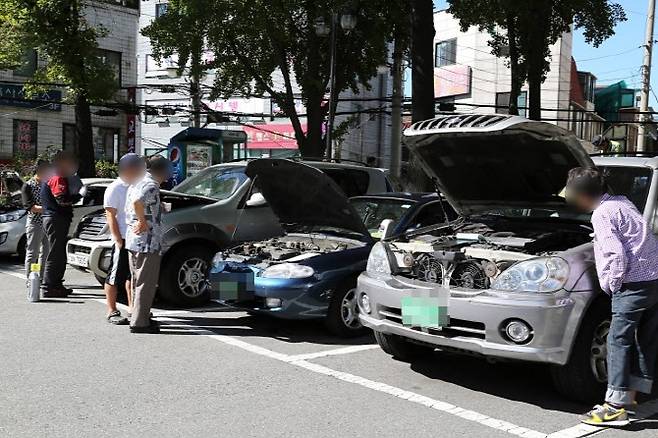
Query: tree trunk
{"x": 535, "y": 56}
{"x": 422, "y": 82}
{"x": 312, "y": 144}
{"x": 84, "y": 137}
{"x": 534, "y": 88}
{"x": 422, "y": 59}
{"x": 516, "y": 77}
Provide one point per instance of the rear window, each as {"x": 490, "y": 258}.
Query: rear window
{"x": 352, "y": 181}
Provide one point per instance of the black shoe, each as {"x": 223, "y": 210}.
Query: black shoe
{"x": 53, "y": 293}
{"x": 153, "y": 328}
{"x": 116, "y": 318}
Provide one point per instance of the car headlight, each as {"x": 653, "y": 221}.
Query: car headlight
{"x": 544, "y": 274}
{"x": 288, "y": 270}
{"x": 378, "y": 261}
{"x": 219, "y": 258}
{"x": 12, "y": 216}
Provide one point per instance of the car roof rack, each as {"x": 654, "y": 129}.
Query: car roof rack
{"x": 461, "y": 121}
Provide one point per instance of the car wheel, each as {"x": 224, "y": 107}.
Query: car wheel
{"x": 585, "y": 375}
{"x": 183, "y": 276}
{"x": 400, "y": 348}
{"x": 21, "y": 248}
{"x": 343, "y": 315}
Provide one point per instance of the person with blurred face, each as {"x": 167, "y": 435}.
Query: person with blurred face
{"x": 58, "y": 194}
{"x": 626, "y": 256}
{"x": 36, "y": 245}
{"x": 144, "y": 241}
{"x": 131, "y": 169}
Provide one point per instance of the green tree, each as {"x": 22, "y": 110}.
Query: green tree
{"x": 523, "y": 31}
{"x": 181, "y": 33}
{"x": 271, "y": 47}
{"x": 61, "y": 35}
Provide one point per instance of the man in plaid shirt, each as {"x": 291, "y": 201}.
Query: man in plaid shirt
{"x": 626, "y": 255}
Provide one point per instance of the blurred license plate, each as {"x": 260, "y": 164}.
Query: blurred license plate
{"x": 78, "y": 260}
{"x": 233, "y": 286}
{"x": 427, "y": 309}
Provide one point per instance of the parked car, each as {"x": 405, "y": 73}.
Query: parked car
{"x": 310, "y": 271}
{"x": 515, "y": 272}
{"x": 209, "y": 212}
{"x": 13, "y": 216}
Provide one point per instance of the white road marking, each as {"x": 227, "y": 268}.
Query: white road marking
{"x": 16, "y": 274}
{"x": 335, "y": 352}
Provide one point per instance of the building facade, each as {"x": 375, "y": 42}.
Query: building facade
{"x": 29, "y": 125}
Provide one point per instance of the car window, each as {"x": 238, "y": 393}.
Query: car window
{"x": 213, "y": 182}
{"x": 10, "y": 191}
{"x": 373, "y": 211}
{"x": 93, "y": 195}
{"x": 433, "y": 213}
{"x": 353, "y": 182}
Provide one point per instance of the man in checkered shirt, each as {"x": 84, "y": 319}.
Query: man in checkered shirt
{"x": 626, "y": 255}
{"x": 36, "y": 245}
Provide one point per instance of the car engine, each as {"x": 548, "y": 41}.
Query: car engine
{"x": 473, "y": 257}
{"x": 290, "y": 248}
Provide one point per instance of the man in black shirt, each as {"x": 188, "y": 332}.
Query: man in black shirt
{"x": 58, "y": 195}
{"x": 36, "y": 245}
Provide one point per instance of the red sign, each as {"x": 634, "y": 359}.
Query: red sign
{"x": 271, "y": 136}
{"x": 25, "y": 138}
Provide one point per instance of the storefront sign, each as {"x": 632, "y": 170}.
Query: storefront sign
{"x": 14, "y": 95}
{"x": 452, "y": 80}
{"x": 131, "y": 121}
{"x": 272, "y": 136}
{"x": 25, "y": 138}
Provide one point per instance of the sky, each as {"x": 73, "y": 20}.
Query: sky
{"x": 618, "y": 58}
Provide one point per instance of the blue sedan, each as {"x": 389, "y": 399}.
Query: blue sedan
{"x": 310, "y": 271}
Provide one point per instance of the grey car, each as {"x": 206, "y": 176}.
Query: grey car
{"x": 513, "y": 278}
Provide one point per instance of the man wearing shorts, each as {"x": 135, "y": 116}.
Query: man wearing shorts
{"x": 131, "y": 169}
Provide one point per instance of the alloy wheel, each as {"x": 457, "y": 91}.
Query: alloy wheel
{"x": 599, "y": 352}
{"x": 349, "y": 312}
{"x": 191, "y": 277}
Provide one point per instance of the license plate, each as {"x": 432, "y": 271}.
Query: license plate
{"x": 426, "y": 309}
{"x": 232, "y": 286}
{"x": 78, "y": 260}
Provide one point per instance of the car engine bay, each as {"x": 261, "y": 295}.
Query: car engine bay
{"x": 472, "y": 254}
{"x": 289, "y": 248}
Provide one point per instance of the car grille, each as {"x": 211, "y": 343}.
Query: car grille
{"x": 457, "y": 327}
{"x": 76, "y": 249}
{"x": 93, "y": 228}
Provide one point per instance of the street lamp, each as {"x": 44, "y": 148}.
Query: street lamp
{"x": 348, "y": 24}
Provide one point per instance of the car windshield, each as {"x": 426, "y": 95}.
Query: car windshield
{"x": 214, "y": 182}
{"x": 632, "y": 182}
{"x": 373, "y": 211}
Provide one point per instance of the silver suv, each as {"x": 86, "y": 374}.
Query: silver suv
{"x": 210, "y": 211}
{"x": 513, "y": 277}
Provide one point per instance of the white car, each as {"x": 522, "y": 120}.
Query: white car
{"x": 13, "y": 216}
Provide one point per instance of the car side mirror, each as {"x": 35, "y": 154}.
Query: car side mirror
{"x": 386, "y": 229}
{"x": 256, "y": 200}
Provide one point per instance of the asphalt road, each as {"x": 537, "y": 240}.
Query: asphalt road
{"x": 65, "y": 372}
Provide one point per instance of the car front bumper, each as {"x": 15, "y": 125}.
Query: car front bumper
{"x": 305, "y": 298}
{"x": 478, "y": 318}
{"x": 87, "y": 255}
{"x": 11, "y": 234}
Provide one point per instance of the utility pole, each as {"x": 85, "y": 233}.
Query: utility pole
{"x": 396, "y": 112}
{"x": 646, "y": 78}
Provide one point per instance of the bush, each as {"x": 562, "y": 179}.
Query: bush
{"x": 106, "y": 169}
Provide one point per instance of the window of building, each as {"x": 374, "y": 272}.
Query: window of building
{"x": 446, "y": 53}
{"x": 25, "y": 138}
{"x": 502, "y": 103}
{"x": 113, "y": 59}
{"x": 28, "y": 64}
{"x": 161, "y": 9}
{"x": 105, "y": 140}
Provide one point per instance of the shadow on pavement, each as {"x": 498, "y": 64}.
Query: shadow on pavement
{"x": 266, "y": 327}
{"x": 523, "y": 382}
{"x": 648, "y": 424}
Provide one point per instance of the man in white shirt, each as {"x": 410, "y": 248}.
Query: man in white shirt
{"x": 131, "y": 170}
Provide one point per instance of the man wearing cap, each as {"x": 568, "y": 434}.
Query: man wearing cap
{"x": 131, "y": 170}
{"x": 626, "y": 256}
{"x": 144, "y": 241}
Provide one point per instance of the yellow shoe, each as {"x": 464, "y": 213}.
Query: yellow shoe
{"x": 605, "y": 416}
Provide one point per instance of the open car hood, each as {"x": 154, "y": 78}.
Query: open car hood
{"x": 302, "y": 195}
{"x": 482, "y": 162}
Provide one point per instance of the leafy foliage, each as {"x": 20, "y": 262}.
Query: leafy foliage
{"x": 106, "y": 169}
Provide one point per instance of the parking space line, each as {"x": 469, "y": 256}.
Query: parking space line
{"x": 335, "y": 352}
{"x": 16, "y": 273}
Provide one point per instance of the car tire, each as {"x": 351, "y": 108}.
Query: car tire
{"x": 400, "y": 348}
{"x": 183, "y": 275}
{"x": 584, "y": 377}
{"x": 21, "y": 248}
{"x": 343, "y": 315}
